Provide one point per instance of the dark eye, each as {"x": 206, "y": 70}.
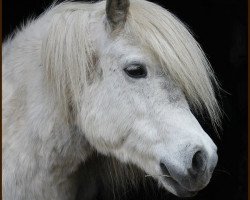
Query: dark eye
{"x": 136, "y": 71}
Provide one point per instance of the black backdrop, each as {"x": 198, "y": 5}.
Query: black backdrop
{"x": 221, "y": 28}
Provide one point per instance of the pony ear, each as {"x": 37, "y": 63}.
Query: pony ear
{"x": 116, "y": 11}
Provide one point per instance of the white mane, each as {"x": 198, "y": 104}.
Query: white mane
{"x": 157, "y": 29}
{"x": 179, "y": 53}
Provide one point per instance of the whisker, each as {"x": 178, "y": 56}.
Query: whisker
{"x": 148, "y": 175}
{"x": 223, "y": 171}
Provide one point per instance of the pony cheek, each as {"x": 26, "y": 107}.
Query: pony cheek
{"x": 106, "y": 135}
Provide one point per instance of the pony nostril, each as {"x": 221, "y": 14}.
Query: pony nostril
{"x": 164, "y": 169}
{"x": 198, "y": 163}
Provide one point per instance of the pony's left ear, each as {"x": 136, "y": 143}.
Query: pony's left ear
{"x": 117, "y": 11}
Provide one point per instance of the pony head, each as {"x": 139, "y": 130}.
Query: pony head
{"x": 130, "y": 74}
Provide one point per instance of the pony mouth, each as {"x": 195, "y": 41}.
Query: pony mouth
{"x": 173, "y": 186}
{"x": 176, "y": 188}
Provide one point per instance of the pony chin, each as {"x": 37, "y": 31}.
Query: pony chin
{"x": 176, "y": 189}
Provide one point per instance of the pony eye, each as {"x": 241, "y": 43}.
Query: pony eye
{"x": 136, "y": 71}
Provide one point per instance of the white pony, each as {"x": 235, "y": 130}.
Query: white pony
{"x": 115, "y": 77}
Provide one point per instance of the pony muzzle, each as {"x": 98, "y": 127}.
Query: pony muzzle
{"x": 195, "y": 174}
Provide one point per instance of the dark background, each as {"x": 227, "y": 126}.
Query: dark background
{"x": 220, "y": 26}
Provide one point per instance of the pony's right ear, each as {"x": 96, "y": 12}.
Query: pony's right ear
{"x": 117, "y": 11}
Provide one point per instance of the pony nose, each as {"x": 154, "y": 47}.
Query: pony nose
{"x": 198, "y": 164}
{"x": 164, "y": 168}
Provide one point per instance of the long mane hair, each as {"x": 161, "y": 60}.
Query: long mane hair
{"x": 70, "y": 57}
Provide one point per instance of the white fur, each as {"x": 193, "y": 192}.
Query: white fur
{"x": 65, "y": 94}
